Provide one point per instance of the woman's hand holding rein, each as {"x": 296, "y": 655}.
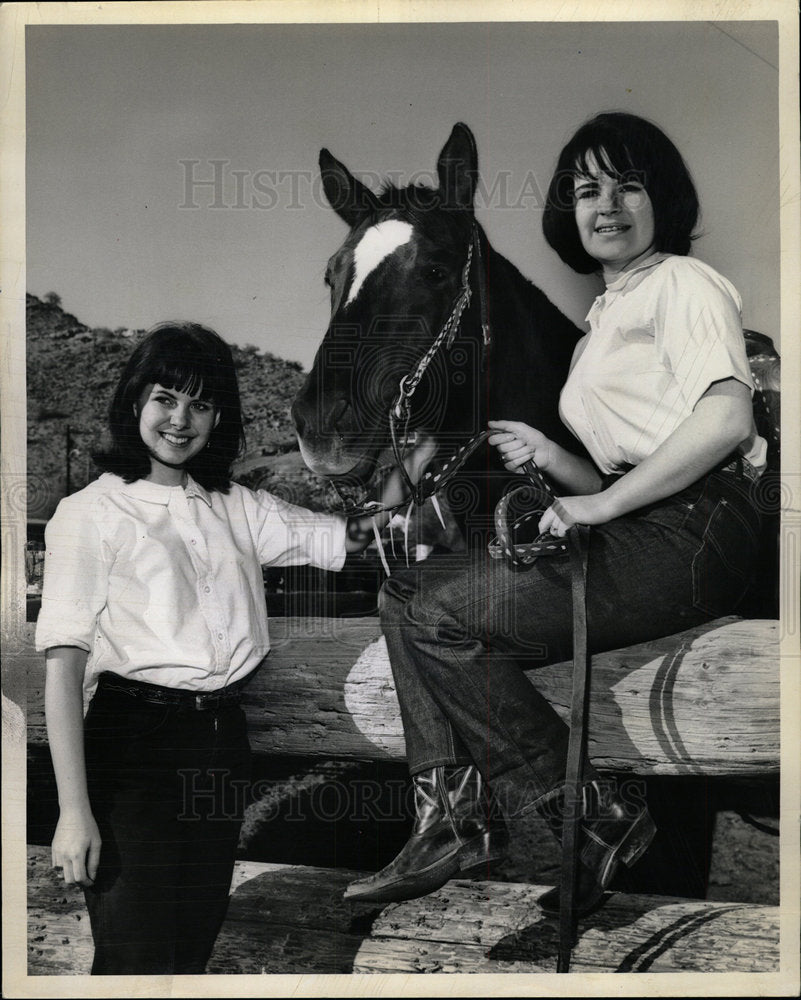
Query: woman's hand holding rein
{"x": 719, "y": 423}
{"x": 518, "y": 443}
{"x": 567, "y": 511}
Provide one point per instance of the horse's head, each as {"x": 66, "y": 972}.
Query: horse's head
{"x": 393, "y": 283}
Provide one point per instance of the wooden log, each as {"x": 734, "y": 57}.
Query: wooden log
{"x": 59, "y": 935}
{"x": 290, "y": 919}
{"x": 473, "y": 927}
{"x": 705, "y": 701}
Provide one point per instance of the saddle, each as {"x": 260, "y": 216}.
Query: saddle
{"x": 762, "y": 600}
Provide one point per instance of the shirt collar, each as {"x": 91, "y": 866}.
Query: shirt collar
{"x": 143, "y": 489}
{"x": 622, "y": 280}
{"x": 625, "y": 276}
{"x": 194, "y": 489}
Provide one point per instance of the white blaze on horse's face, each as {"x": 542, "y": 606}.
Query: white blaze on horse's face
{"x": 376, "y": 245}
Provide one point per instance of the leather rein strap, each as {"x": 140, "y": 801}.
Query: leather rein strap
{"x": 537, "y": 496}
{"x": 578, "y": 543}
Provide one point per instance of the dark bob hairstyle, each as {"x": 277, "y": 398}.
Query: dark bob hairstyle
{"x": 186, "y": 357}
{"x": 626, "y": 146}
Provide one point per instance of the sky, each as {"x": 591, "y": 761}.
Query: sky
{"x": 172, "y": 170}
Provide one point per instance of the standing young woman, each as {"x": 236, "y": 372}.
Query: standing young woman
{"x": 659, "y": 394}
{"x": 153, "y": 599}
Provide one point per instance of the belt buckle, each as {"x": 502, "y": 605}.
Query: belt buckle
{"x": 198, "y": 702}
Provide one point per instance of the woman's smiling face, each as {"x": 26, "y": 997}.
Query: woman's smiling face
{"x": 175, "y": 427}
{"x": 614, "y": 216}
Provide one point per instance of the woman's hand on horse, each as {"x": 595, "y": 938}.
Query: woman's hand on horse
{"x": 567, "y": 511}
{"x": 76, "y": 847}
{"x": 517, "y": 443}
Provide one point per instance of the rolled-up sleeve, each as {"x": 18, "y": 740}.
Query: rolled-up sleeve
{"x": 290, "y": 536}
{"x": 76, "y": 576}
{"x": 699, "y": 334}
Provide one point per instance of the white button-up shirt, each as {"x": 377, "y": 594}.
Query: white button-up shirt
{"x": 660, "y": 335}
{"x": 164, "y": 585}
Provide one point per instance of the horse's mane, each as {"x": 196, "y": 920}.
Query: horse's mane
{"x": 409, "y": 197}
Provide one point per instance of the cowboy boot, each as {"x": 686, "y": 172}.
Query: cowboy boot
{"x": 611, "y": 832}
{"x": 457, "y": 827}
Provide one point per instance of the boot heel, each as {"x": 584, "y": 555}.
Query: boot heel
{"x": 637, "y": 840}
{"x": 476, "y": 854}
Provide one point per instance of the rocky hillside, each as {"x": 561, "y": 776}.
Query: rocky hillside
{"x": 72, "y": 370}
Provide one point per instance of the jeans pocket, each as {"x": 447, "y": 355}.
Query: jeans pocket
{"x": 722, "y": 566}
{"x": 122, "y": 718}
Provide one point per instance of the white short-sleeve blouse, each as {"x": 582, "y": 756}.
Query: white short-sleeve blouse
{"x": 164, "y": 585}
{"x": 660, "y": 335}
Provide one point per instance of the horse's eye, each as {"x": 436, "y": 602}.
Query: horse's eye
{"x": 436, "y": 274}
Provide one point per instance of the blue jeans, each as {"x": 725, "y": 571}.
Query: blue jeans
{"x": 461, "y": 630}
{"x": 167, "y": 787}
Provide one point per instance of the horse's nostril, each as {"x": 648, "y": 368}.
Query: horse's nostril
{"x": 307, "y": 421}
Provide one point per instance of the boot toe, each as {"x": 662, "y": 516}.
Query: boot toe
{"x": 382, "y": 889}
{"x": 455, "y": 829}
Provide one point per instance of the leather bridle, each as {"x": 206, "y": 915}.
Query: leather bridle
{"x": 503, "y": 545}
{"x": 400, "y": 410}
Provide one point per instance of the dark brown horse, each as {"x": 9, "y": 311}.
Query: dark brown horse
{"x": 417, "y": 293}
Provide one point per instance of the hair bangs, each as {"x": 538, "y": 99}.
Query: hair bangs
{"x": 615, "y": 162}
{"x": 188, "y": 375}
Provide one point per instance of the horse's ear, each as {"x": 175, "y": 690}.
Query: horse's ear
{"x": 457, "y": 168}
{"x": 349, "y": 198}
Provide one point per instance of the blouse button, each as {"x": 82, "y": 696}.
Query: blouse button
{"x": 207, "y": 590}
{"x": 193, "y": 541}
{"x": 219, "y": 635}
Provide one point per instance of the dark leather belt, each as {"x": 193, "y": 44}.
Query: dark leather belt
{"x": 734, "y": 464}
{"x": 198, "y": 701}
{"x": 741, "y": 468}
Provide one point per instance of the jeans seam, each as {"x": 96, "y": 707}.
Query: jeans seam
{"x": 736, "y": 575}
{"x": 451, "y": 744}
{"x": 500, "y": 723}
{"x": 507, "y": 590}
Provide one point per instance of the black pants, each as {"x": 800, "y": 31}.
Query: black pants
{"x": 167, "y": 786}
